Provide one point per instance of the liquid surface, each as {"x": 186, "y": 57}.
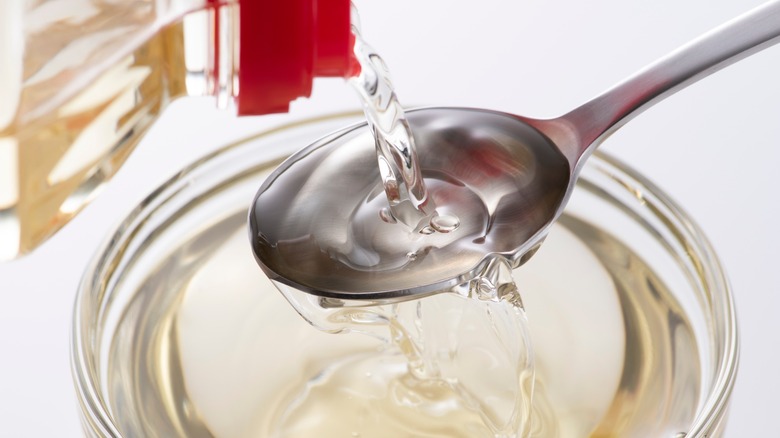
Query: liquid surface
{"x": 209, "y": 347}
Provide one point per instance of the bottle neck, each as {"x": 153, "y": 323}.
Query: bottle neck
{"x": 273, "y": 49}
{"x": 211, "y": 43}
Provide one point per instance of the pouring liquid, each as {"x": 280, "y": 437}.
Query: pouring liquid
{"x": 402, "y": 179}
{"x": 208, "y": 348}
{"x": 463, "y": 352}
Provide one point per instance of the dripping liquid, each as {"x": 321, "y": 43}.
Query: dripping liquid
{"x": 461, "y": 353}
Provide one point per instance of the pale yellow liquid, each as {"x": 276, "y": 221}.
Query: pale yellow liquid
{"x": 80, "y": 83}
{"x": 209, "y": 347}
{"x": 463, "y": 360}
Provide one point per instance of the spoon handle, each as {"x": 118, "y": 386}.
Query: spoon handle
{"x": 716, "y": 49}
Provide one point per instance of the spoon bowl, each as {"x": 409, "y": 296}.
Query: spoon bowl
{"x": 510, "y": 179}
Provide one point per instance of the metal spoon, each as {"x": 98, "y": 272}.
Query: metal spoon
{"x": 317, "y": 221}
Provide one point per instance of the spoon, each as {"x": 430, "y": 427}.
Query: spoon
{"x": 319, "y": 223}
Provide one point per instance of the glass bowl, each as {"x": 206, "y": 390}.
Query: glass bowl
{"x": 175, "y": 332}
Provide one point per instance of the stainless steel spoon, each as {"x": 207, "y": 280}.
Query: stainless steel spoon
{"x": 316, "y": 223}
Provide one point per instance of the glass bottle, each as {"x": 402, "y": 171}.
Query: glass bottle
{"x": 81, "y": 81}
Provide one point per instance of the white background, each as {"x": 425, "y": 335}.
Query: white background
{"x": 714, "y": 147}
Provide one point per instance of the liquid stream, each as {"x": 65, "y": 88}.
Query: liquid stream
{"x": 468, "y": 347}
{"x": 402, "y": 179}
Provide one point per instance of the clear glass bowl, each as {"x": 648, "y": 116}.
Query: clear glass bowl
{"x": 158, "y": 349}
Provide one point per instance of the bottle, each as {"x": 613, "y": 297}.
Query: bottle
{"x": 82, "y": 81}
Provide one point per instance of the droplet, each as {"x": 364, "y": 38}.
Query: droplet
{"x": 427, "y": 230}
{"x": 445, "y": 223}
{"x": 485, "y": 289}
{"x": 386, "y": 215}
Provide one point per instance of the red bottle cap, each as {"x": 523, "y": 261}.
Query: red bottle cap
{"x": 285, "y": 44}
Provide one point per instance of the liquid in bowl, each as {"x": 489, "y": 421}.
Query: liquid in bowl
{"x": 178, "y": 333}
